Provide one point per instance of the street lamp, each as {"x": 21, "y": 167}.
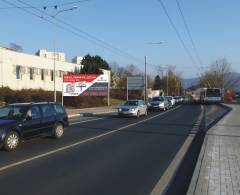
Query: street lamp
{"x": 54, "y": 45}
{"x": 145, "y": 77}
{"x": 155, "y": 43}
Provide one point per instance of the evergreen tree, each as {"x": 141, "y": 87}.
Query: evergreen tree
{"x": 93, "y": 65}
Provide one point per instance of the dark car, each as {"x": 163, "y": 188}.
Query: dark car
{"x": 23, "y": 121}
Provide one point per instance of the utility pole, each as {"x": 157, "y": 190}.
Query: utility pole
{"x": 54, "y": 46}
{"x": 145, "y": 79}
{"x": 127, "y": 88}
{"x": 167, "y": 80}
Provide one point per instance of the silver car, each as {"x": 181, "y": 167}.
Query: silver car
{"x": 133, "y": 108}
{"x": 158, "y": 103}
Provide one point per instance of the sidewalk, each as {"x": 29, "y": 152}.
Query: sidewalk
{"x": 91, "y": 111}
{"x": 218, "y": 168}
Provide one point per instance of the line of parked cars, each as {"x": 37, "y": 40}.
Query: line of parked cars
{"x": 138, "y": 108}
{"x": 23, "y": 121}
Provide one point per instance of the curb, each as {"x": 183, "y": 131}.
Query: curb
{"x": 89, "y": 114}
{"x": 186, "y": 169}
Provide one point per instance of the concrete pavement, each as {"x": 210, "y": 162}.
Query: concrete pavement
{"x": 218, "y": 169}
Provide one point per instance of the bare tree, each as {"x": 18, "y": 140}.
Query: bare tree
{"x": 219, "y": 75}
{"x": 168, "y": 80}
{"x": 114, "y": 67}
{"x": 15, "y": 47}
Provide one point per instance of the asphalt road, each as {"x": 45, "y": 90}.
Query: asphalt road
{"x": 103, "y": 155}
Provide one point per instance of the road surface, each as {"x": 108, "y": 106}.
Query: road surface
{"x": 104, "y": 155}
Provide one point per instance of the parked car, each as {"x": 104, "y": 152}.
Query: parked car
{"x": 159, "y": 103}
{"x": 178, "y": 99}
{"x": 23, "y": 121}
{"x": 171, "y": 100}
{"x": 133, "y": 108}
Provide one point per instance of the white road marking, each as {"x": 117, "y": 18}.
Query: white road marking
{"x": 95, "y": 119}
{"x": 78, "y": 143}
{"x": 161, "y": 186}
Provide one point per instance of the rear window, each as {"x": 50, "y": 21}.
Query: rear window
{"x": 59, "y": 109}
{"x": 158, "y": 99}
{"x": 213, "y": 92}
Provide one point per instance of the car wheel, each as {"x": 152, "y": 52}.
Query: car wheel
{"x": 58, "y": 131}
{"x": 11, "y": 141}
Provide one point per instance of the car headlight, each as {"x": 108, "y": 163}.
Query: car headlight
{"x": 120, "y": 109}
{"x": 133, "y": 109}
{"x": 161, "y": 104}
{"x": 148, "y": 104}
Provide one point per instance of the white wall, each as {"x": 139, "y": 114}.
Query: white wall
{"x": 10, "y": 59}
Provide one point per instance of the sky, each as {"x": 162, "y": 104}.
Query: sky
{"x": 128, "y": 26}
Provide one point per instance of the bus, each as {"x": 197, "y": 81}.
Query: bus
{"x": 213, "y": 95}
{"x": 207, "y": 95}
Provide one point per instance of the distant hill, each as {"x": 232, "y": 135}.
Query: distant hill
{"x": 186, "y": 83}
{"x": 234, "y": 76}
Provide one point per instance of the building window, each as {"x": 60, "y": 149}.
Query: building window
{"x": 18, "y": 72}
{"x": 42, "y": 74}
{"x": 31, "y": 73}
{"x": 51, "y": 75}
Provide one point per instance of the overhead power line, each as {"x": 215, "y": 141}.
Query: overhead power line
{"x": 77, "y": 32}
{"x": 47, "y": 6}
{"x": 176, "y": 31}
{"x": 89, "y": 36}
{"x": 188, "y": 32}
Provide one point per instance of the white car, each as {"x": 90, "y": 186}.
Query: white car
{"x": 171, "y": 99}
{"x": 135, "y": 108}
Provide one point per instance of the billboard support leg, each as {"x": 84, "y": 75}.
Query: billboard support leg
{"x": 108, "y": 93}
{"x": 127, "y": 88}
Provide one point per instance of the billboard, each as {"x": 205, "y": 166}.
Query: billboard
{"x": 85, "y": 85}
{"x": 135, "y": 83}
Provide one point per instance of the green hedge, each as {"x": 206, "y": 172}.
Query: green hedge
{"x": 8, "y": 96}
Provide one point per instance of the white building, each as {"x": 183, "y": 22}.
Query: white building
{"x": 77, "y": 60}
{"x": 60, "y": 56}
{"x": 25, "y": 71}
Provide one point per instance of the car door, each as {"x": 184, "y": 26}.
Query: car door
{"x": 32, "y": 124}
{"x": 48, "y": 117}
{"x": 142, "y": 107}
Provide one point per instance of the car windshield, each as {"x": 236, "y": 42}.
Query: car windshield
{"x": 13, "y": 112}
{"x": 131, "y": 103}
{"x": 169, "y": 98}
{"x": 158, "y": 99}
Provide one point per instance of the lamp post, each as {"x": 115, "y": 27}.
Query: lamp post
{"x": 54, "y": 47}
{"x": 145, "y": 74}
